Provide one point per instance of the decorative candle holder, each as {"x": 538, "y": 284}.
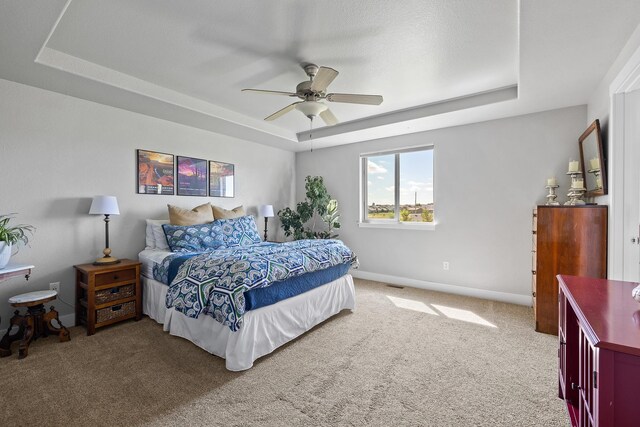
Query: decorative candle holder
{"x": 596, "y": 175}
{"x": 575, "y": 193}
{"x": 551, "y": 197}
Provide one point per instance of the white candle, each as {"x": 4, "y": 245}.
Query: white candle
{"x": 551, "y": 182}
{"x": 595, "y": 163}
{"x": 573, "y": 166}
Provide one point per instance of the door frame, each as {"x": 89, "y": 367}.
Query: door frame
{"x": 620, "y": 195}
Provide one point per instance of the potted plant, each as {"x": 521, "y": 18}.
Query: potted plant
{"x": 317, "y": 205}
{"x": 12, "y": 235}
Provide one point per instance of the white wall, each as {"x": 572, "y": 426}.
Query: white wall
{"x": 488, "y": 177}
{"x": 57, "y": 152}
{"x": 599, "y": 104}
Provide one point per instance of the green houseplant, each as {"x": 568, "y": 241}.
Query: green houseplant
{"x": 301, "y": 223}
{"x": 12, "y": 235}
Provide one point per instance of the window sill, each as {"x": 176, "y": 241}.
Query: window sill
{"x": 399, "y": 225}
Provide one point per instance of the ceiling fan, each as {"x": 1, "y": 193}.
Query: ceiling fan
{"x": 312, "y": 91}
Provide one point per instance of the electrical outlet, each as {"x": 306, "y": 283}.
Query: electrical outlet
{"x": 445, "y": 265}
{"x": 54, "y": 286}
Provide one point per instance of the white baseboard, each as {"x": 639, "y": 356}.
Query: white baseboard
{"x": 68, "y": 320}
{"x": 441, "y": 287}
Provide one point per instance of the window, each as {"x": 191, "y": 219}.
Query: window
{"x": 397, "y": 187}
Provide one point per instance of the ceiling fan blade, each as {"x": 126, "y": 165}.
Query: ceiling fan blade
{"x": 352, "y": 98}
{"x": 328, "y": 117}
{"x": 323, "y": 79}
{"x": 269, "y": 92}
{"x": 282, "y": 112}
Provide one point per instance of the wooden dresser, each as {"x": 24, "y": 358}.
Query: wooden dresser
{"x": 566, "y": 240}
{"x": 599, "y": 352}
{"x": 107, "y": 294}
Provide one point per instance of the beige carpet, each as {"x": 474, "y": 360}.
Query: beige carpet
{"x": 385, "y": 364}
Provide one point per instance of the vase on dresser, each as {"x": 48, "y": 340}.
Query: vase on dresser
{"x": 5, "y": 254}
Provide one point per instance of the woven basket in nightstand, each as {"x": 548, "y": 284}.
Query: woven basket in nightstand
{"x": 113, "y": 294}
{"x": 115, "y": 311}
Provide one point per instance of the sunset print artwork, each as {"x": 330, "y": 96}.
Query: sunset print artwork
{"x": 155, "y": 173}
{"x": 192, "y": 177}
{"x": 221, "y": 179}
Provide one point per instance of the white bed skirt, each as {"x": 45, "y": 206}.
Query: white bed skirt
{"x": 263, "y": 330}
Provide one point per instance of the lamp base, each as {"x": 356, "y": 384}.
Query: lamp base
{"x": 106, "y": 261}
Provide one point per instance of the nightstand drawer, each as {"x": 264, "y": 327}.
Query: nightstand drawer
{"x": 115, "y": 276}
{"x": 115, "y": 312}
{"x": 113, "y": 294}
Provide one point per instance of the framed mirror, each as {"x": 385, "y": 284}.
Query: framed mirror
{"x": 592, "y": 161}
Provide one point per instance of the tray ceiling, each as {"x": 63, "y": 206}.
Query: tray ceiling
{"x": 188, "y": 61}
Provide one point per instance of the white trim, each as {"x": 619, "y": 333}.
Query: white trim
{"x": 615, "y": 256}
{"x": 441, "y": 287}
{"x": 478, "y": 99}
{"x": 67, "y": 320}
{"x": 53, "y": 29}
{"x": 621, "y": 195}
{"x": 422, "y": 147}
{"x": 428, "y": 226}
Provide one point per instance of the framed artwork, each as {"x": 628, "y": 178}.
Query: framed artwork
{"x": 221, "y": 179}
{"x": 192, "y": 176}
{"x": 155, "y": 173}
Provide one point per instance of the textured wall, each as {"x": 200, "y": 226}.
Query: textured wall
{"x": 488, "y": 176}
{"x": 57, "y": 152}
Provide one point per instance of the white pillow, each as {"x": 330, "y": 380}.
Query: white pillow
{"x": 150, "y": 241}
{"x": 161, "y": 238}
{"x": 155, "y": 234}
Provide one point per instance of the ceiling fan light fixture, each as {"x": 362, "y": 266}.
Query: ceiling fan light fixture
{"x": 311, "y": 108}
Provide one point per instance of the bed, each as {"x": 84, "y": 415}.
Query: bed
{"x": 241, "y": 302}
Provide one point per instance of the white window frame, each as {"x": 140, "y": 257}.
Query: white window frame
{"x": 365, "y": 222}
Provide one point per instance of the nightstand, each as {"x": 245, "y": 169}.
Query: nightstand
{"x": 107, "y": 294}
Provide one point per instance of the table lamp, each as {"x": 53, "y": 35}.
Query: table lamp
{"x": 105, "y": 205}
{"x": 267, "y": 212}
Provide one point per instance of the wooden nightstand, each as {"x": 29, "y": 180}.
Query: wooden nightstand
{"x": 107, "y": 294}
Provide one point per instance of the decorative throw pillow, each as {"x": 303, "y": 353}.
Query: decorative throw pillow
{"x": 239, "y": 231}
{"x": 154, "y": 235}
{"x": 194, "y": 238}
{"x": 220, "y": 213}
{"x": 199, "y": 215}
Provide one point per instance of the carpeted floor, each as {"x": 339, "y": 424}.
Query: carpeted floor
{"x": 403, "y": 358}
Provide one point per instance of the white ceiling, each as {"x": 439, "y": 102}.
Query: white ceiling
{"x": 186, "y": 61}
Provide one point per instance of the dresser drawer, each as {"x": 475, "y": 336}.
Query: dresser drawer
{"x": 115, "y": 276}
{"x": 115, "y": 312}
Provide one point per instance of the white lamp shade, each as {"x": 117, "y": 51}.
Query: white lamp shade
{"x": 265, "y": 211}
{"x": 104, "y": 205}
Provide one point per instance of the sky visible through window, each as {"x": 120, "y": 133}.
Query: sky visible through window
{"x": 416, "y": 178}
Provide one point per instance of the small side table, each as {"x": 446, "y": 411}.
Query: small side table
{"x": 12, "y": 270}
{"x": 36, "y": 323}
{"x": 107, "y": 294}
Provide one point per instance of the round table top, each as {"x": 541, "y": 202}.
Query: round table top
{"x": 33, "y": 297}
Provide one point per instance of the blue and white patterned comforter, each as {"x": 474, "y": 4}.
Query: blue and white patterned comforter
{"x": 214, "y": 283}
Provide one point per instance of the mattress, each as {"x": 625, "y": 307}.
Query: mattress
{"x": 151, "y": 257}
{"x": 263, "y": 330}
{"x": 258, "y": 297}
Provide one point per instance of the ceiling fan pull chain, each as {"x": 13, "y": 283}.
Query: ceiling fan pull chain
{"x": 311, "y": 132}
